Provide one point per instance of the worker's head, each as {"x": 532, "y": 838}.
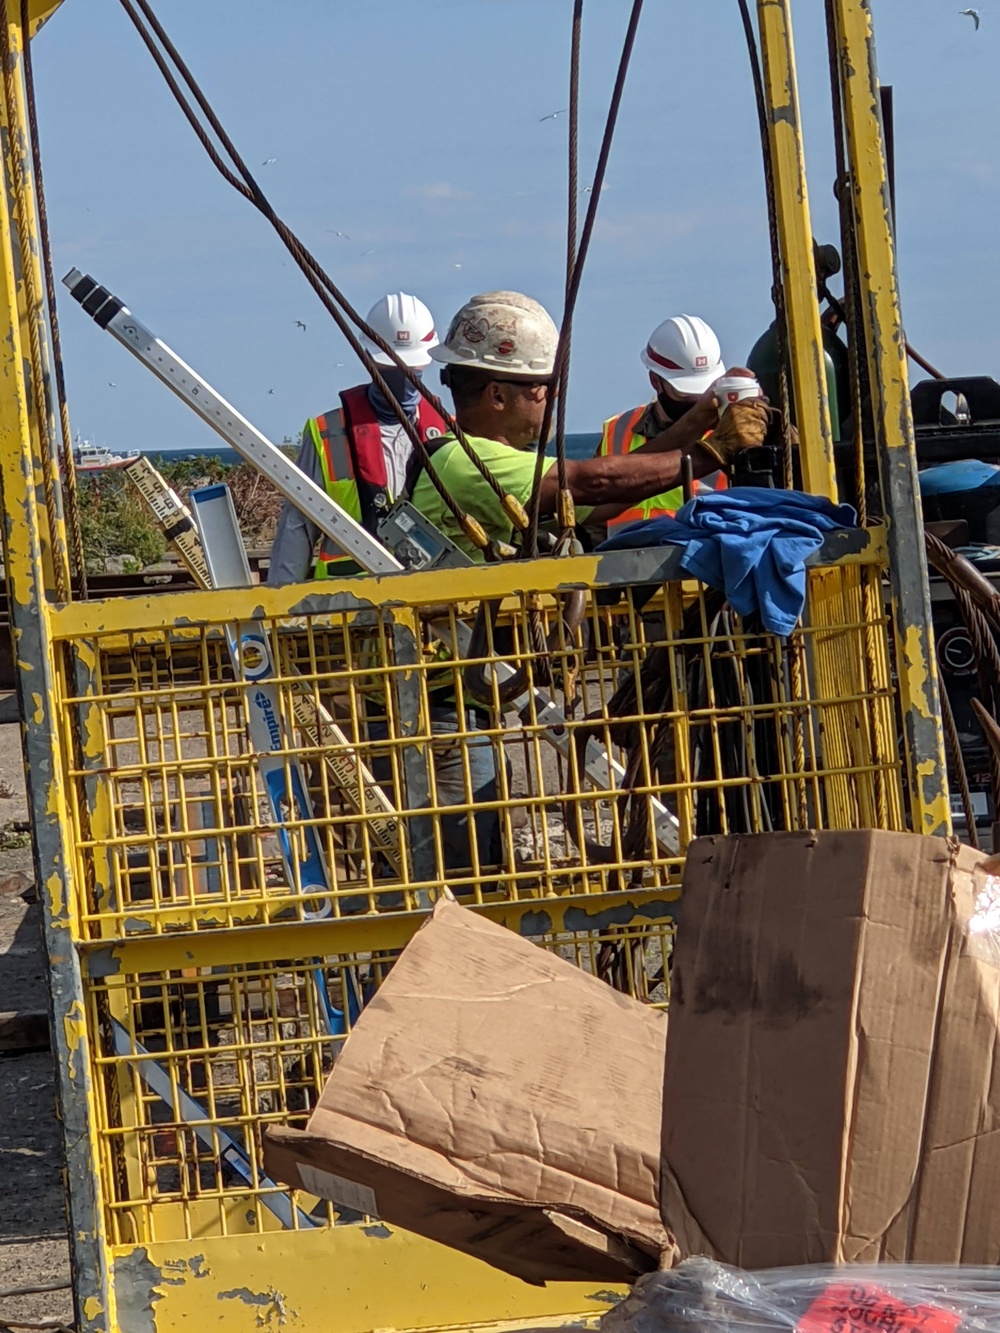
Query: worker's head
{"x": 407, "y": 326}
{"x": 684, "y": 360}
{"x": 498, "y": 358}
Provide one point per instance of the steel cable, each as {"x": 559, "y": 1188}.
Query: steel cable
{"x": 329, "y": 294}
{"x": 530, "y": 544}
{"x": 33, "y": 315}
{"x": 71, "y": 507}
{"x": 567, "y": 515}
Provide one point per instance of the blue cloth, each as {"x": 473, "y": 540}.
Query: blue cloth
{"x": 750, "y": 543}
{"x": 405, "y": 393}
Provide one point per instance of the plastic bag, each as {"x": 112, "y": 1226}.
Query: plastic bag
{"x": 701, "y": 1296}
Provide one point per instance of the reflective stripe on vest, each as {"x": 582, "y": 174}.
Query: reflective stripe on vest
{"x": 620, "y": 437}
{"x": 350, "y": 451}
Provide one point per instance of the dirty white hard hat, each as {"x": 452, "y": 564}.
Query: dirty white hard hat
{"x": 503, "y": 331}
{"x": 685, "y": 352}
{"x": 406, "y": 325}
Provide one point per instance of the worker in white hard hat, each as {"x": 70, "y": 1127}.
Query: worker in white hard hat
{"x": 498, "y": 358}
{"x": 684, "y": 360}
{"x": 358, "y": 452}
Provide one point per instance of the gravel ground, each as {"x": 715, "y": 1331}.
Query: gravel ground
{"x": 33, "y": 1242}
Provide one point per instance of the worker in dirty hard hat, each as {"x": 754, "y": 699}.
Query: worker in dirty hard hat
{"x": 498, "y": 359}
{"x": 684, "y": 360}
{"x": 358, "y": 452}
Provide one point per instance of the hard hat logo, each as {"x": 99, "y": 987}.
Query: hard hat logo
{"x": 403, "y": 336}
{"x": 700, "y": 361}
{"x": 475, "y": 331}
{"x": 507, "y": 347}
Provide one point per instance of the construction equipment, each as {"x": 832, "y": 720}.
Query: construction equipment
{"x": 177, "y": 935}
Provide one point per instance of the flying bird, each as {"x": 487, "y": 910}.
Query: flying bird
{"x": 456, "y": 265}
{"x": 270, "y": 391}
{"x": 300, "y": 325}
{"x": 111, "y": 385}
{"x": 552, "y": 115}
{"x": 972, "y": 14}
{"x": 267, "y": 161}
{"x": 338, "y": 233}
{"x": 365, "y": 253}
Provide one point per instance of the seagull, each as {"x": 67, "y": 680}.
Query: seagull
{"x": 111, "y": 385}
{"x": 270, "y": 391}
{"x": 343, "y": 234}
{"x": 300, "y": 325}
{"x": 456, "y": 265}
{"x": 365, "y": 253}
{"x": 267, "y": 161}
{"x": 972, "y": 14}
{"x": 552, "y": 115}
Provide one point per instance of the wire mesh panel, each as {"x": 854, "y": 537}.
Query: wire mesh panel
{"x": 675, "y": 719}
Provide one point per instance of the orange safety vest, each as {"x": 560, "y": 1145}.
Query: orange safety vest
{"x": 349, "y": 445}
{"x": 620, "y": 436}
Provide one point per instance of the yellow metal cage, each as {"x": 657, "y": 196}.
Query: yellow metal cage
{"x": 202, "y": 985}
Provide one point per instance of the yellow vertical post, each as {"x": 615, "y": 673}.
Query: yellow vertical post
{"x": 853, "y": 37}
{"x": 29, "y": 290}
{"x": 798, "y": 272}
{"x": 28, "y": 565}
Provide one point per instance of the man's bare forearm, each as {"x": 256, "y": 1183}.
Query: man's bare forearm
{"x": 618, "y": 481}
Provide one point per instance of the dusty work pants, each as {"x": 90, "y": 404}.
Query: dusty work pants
{"x": 449, "y": 758}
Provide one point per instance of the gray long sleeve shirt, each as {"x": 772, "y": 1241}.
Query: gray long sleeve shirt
{"x": 292, "y": 552}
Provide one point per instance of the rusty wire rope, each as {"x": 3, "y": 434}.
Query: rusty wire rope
{"x": 530, "y": 542}
{"x": 334, "y": 301}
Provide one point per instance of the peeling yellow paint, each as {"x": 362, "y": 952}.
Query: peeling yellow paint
{"x": 54, "y": 890}
{"x": 38, "y": 705}
{"x": 917, "y": 672}
{"x": 75, "y": 1026}
{"x": 93, "y": 1308}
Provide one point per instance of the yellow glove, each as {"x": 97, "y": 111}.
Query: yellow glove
{"x": 743, "y": 425}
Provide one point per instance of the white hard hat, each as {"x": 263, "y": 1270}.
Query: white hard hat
{"x": 406, "y": 325}
{"x": 686, "y": 353}
{"x": 503, "y": 331}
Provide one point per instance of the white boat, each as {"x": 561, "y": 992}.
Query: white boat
{"x": 89, "y": 457}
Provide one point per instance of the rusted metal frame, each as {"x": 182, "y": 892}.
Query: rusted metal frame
{"x": 367, "y": 934}
{"x": 916, "y": 666}
{"x": 795, "y": 243}
{"x": 23, "y": 524}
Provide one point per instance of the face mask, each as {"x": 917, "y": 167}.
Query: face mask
{"x": 674, "y": 409}
{"x": 405, "y": 393}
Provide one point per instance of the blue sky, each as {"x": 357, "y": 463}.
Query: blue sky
{"x": 415, "y": 128}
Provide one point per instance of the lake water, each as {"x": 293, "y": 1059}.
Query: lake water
{"x": 577, "y": 446}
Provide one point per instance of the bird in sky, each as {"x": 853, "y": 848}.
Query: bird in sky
{"x": 267, "y": 161}
{"x": 112, "y": 385}
{"x": 300, "y": 325}
{"x": 552, "y": 115}
{"x": 365, "y": 253}
{"x": 342, "y": 234}
{"x": 456, "y": 265}
{"x": 270, "y": 391}
{"x": 972, "y": 14}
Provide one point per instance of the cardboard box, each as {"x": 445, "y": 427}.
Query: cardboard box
{"x": 833, "y": 1093}
{"x": 495, "y": 1097}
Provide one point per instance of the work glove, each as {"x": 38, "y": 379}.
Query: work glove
{"x": 743, "y": 425}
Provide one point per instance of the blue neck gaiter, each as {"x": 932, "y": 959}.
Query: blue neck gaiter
{"x": 406, "y": 394}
